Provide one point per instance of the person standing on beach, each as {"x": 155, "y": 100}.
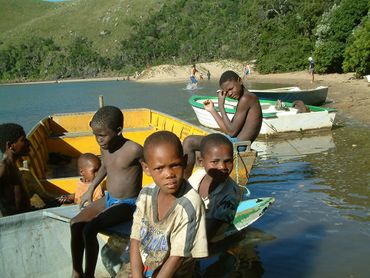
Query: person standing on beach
{"x": 208, "y": 75}
{"x": 311, "y": 68}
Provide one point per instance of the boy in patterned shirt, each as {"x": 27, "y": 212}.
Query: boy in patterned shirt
{"x": 169, "y": 221}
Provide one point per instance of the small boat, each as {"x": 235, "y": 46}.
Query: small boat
{"x": 315, "y": 96}
{"x": 38, "y": 243}
{"x": 274, "y": 121}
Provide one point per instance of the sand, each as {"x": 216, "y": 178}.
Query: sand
{"x": 350, "y": 96}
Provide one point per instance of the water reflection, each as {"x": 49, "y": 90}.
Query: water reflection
{"x": 346, "y": 172}
{"x": 236, "y": 256}
{"x": 284, "y": 149}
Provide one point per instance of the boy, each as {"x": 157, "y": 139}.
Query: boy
{"x": 121, "y": 164}
{"x": 220, "y": 194}
{"x": 88, "y": 165}
{"x": 13, "y": 145}
{"x": 169, "y": 222}
{"x": 246, "y": 123}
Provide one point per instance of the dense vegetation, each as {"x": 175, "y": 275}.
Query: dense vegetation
{"x": 279, "y": 34}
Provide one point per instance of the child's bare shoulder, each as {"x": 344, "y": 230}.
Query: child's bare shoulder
{"x": 133, "y": 148}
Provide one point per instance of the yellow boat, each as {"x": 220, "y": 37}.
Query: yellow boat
{"x": 65, "y": 137}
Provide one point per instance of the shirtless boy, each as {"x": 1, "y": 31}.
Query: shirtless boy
{"x": 121, "y": 165}
{"x": 244, "y": 126}
{"x": 13, "y": 145}
{"x": 169, "y": 223}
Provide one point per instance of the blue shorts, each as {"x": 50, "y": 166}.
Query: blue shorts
{"x": 193, "y": 79}
{"x": 111, "y": 201}
{"x": 234, "y": 140}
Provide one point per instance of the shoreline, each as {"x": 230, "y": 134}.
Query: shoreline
{"x": 350, "y": 96}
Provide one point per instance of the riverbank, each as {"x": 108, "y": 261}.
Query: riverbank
{"x": 349, "y": 95}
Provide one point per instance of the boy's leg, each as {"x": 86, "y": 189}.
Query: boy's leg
{"x": 191, "y": 144}
{"x": 110, "y": 217}
{"x": 77, "y": 241}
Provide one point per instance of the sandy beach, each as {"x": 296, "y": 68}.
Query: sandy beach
{"x": 349, "y": 95}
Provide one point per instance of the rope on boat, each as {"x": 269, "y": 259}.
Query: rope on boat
{"x": 236, "y": 155}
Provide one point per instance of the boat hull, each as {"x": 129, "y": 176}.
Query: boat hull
{"x": 310, "y": 96}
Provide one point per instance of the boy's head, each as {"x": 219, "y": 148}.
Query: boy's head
{"x": 88, "y": 165}
{"x": 216, "y": 156}
{"x": 107, "y": 124}
{"x": 231, "y": 83}
{"x": 12, "y": 136}
{"x": 164, "y": 161}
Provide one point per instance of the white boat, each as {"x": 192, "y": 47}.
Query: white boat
{"x": 274, "y": 121}
{"x": 315, "y": 96}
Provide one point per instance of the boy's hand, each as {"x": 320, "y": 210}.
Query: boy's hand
{"x": 209, "y": 105}
{"x": 221, "y": 97}
{"x": 86, "y": 198}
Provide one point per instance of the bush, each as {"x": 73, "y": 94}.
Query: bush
{"x": 357, "y": 53}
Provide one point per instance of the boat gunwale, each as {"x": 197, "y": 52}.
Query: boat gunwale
{"x": 193, "y": 102}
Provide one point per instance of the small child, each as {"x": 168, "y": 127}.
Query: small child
{"x": 169, "y": 222}
{"x": 220, "y": 194}
{"x": 13, "y": 145}
{"x": 244, "y": 126}
{"x": 88, "y": 165}
{"x": 121, "y": 165}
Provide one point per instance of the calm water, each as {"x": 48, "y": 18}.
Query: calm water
{"x": 319, "y": 225}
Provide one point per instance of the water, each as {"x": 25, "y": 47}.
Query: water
{"x": 319, "y": 223}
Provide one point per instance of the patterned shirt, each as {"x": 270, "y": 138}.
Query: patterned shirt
{"x": 180, "y": 233}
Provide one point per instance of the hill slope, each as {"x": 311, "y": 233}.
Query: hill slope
{"x": 104, "y": 22}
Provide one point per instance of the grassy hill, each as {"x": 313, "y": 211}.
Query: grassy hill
{"x": 104, "y": 22}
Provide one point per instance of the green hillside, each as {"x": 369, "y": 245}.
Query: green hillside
{"x": 86, "y": 38}
{"x": 105, "y": 22}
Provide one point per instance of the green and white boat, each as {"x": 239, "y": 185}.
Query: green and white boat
{"x": 275, "y": 120}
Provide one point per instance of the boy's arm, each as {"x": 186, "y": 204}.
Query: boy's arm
{"x": 100, "y": 175}
{"x": 233, "y": 127}
{"x": 137, "y": 267}
{"x": 212, "y": 226}
{"x": 170, "y": 267}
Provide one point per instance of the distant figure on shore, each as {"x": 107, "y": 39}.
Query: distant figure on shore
{"x": 208, "y": 75}
{"x": 244, "y": 126}
{"x": 311, "y": 68}
{"x": 13, "y": 145}
{"x": 193, "y": 71}
{"x": 246, "y": 71}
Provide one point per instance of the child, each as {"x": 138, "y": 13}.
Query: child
{"x": 311, "y": 68}
{"x": 246, "y": 123}
{"x": 13, "y": 145}
{"x": 121, "y": 164}
{"x": 88, "y": 165}
{"x": 169, "y": 222}
{"x": 220, "y": 194}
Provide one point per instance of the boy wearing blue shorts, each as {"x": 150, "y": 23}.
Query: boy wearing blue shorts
{"x": 121, "y": 165}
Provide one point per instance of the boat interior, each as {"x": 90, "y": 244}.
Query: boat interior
{"x": 58, "y": 140}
